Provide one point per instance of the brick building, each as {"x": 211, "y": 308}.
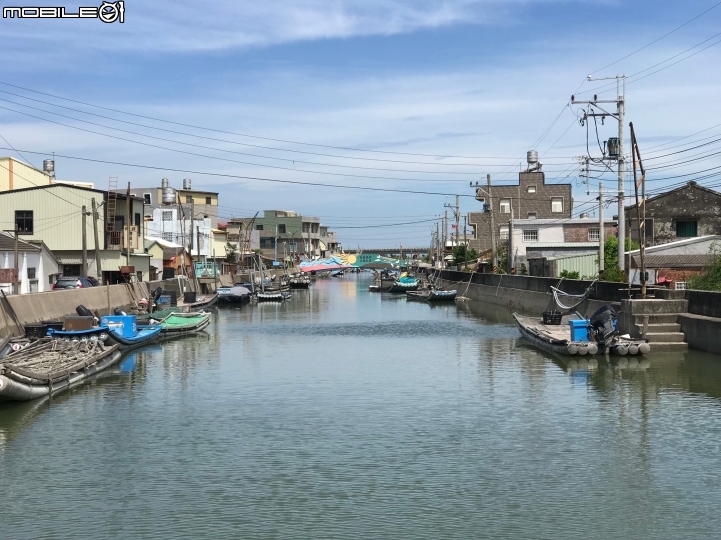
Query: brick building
{"x": 686, "y": 212}
{"x": 530, "y": 199}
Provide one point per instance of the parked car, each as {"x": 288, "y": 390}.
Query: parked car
{"x": 72, "y": 283}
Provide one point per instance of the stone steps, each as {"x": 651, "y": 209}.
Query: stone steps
{"x": 679, "y": 346}
{"x": 665, "y": 337}
{"x": 659, "y": 327}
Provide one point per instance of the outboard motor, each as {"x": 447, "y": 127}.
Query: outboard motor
{"x": 118, "y": 311}
{"x": 602, "y": 322}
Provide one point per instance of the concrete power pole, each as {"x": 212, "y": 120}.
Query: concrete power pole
{"x": 84, "y": 265}
{"x": 458, "y": 212}
{"x": 621, "y": 106}
{"x": 127, "y": 226}
{"x": 438, "y": 245}
{"x": 445, "y": 232}
{"x": 601, "y": 254}
{"x": 16, "y": 285}
{"x": 494, "y": 255}
{"x": 98, "y": 271}
{"x": 465, "y": 244}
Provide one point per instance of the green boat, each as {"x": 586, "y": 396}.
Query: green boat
{"x": 180, "y": 323}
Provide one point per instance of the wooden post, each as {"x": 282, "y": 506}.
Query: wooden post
{"x": 127, "y": 226}
{"x": 16, "y": 285}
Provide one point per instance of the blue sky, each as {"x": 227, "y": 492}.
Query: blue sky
{"x": 479, "y": 79}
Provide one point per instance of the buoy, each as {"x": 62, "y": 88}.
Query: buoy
{"x": 572, "y": 348}
{"x": 633, "y": 349}
{"x": 582, "y": 349}
{"x": 592, "y": 348}
{"x": 644, "y": 348}
{"x": 103, "y": 336}
{"x": 16, "y": 347}
{"x": 622, "y": 350}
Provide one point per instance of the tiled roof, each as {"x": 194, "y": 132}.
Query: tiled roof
{"x": 674, "y": 261}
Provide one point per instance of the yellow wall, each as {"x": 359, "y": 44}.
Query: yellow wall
{"x": 220, "y": 238}
{"x": 198, "y": 196}
{"x": 15, "y": 174}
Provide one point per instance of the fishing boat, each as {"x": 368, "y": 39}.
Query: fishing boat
{"x": 574, "y": 335}
{"x": 404, "y": 284}
{"x": 299, "y": 282}
{"x": 432, "y": 295}
{"x": 202, "y": 301}
{"x": 234, "y": 295}
{"x": 180, "y": 323}
{"x": 273, "y": 296}
{"x": 54, "y": 366}
{"x": 124, "y": 330}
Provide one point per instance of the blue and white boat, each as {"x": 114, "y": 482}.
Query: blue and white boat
{"x": 123, "y": 330}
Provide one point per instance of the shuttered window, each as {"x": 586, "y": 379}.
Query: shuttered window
{"x": 686, "y": 229}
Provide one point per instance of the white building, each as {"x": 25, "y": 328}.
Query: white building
{"x": 37, "y": 266}
{"x": 168, "y": 225}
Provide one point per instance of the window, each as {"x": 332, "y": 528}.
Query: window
{"x": 188, "y": 199}
{"x": 137, "y": 220}
{"x": 594, "y": 235}
{"x": 686, "y": 229}
{"x": 530, "y": 235}
{"x": 146, "y": 198}
{"x": 31, "y": 273}
{"x": 504, "y": 232}
{"x": 207, "y": 200}
{"x": 556, "y": 204}
{"x": 505, "y": 206}
{"x": 24, "y": 221}
{"x": 532, "y": 215}
{"x": 258, "y": 227}
{"x": 281, "y": 228}
{"x": 680, "y": 285}
{"x": 167, "y": 236}
{"x": 167, "y": 215}
{"x": 267, "y": 242}
{"x": 531, "y": 189}
{"x": 51, "y": 279}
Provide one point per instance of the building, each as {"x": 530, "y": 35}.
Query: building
{"x": 169, "y": 223}
{"x": 686, "y": 212}
{"x": 204, "y": 204}
{"x": 38, "y": 269}
{"x": 675, "y": 261}
{"x": 53, "y": 214}
{"x": 284, "y": 234}
{"x": 532, "y": 198}
{"x": 546, "y": 238}
{"x": 15, "y": 174}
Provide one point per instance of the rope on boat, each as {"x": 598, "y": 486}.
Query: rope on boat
{"x": 580, "y": 297}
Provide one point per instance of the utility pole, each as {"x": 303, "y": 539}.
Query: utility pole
{"x": 97, "y": 244}
{"x": 509, "y": 256}
{"x": 197, "y": 232}
{"x": 192, "y": 221}
{"x": 620, "y": 102}
{"x": 445, "y": 233}
{"x": 127, "y": 226}
{"x": 438, "y": 245}
{"x": 601, "y": 231}
{"x": 465, "y": 244}
{"x": 84, "y": 265}
{"x": 494, "y": 255}
{"x": 16, "y": 285}
{"x": 458, "y": 211}
{"x": 640, "y": 206}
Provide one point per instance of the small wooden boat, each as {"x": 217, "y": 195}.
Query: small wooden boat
{"x": 556, "y": 339}
{"x": 275, "y": 296}
{"x": 203, "y": 301}
{"x": 377, "y": 288}
{"x": 402, "y": 286}
{"x": 124, "y": 330}
{"x": 181, "y": 323}
{"x": 52, "y": 367}
{"x": 234, "y": 295}
{"x": 432, "y": 295}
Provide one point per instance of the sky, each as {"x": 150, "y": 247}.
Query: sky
{"x": 411, "y": 100}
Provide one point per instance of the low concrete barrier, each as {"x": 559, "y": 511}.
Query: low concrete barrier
{"x": 53, "y": 305}
{"x": 707, "y": 303}
{"x": 702, "y": 333}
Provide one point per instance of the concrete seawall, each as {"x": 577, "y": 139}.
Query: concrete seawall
{"x": 54, "y": 305}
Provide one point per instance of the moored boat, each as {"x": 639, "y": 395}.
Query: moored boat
{"x": 559, "y": 339}
{"x": 300, "y": 282}
{"x": 234, "y": 295}
{"x": 432, "y": 295}
{"x": 124, "y": 330}
{"x": 274, "y": 296}
{"x": 54, "y": 366}
{"x": 182, "y": 323}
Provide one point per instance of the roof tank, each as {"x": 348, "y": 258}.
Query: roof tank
{"x": 164, "y": 183}
{"x": 532, "y": 157}
{"x": 168, "y": 193}
{"x": 49, "y": 167}
{"x": 186, "y": 183}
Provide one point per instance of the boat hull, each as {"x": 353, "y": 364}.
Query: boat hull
{"x": 15, "y": 390}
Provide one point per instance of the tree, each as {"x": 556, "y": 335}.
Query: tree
{"x": 612, "y": 271}
{"x": 459, "y": 255}
{"x": 231, "y": 253}
{"x": 709, "y": 279}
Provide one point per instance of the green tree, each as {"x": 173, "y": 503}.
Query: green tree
{"x": 612, "y": 271}
{"x": 459, "y": 255}
{"x": 710, "y": 278}
{"x": 570, "y": 275}
{"x": 231, "y": 253}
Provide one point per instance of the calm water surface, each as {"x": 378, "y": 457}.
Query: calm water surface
{"x": 342, "y": 414}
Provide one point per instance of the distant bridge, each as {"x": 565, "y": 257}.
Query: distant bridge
{"x": 389, "y": 251}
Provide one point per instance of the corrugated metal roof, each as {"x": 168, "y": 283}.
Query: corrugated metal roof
{"x": 7, "y": 243}
{"x": 532, "y": 245}
{"x": 684, "y": 242}
{"x": 674, "y": 261}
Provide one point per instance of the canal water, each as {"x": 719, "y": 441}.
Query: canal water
{"x": 345, "y": 414}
